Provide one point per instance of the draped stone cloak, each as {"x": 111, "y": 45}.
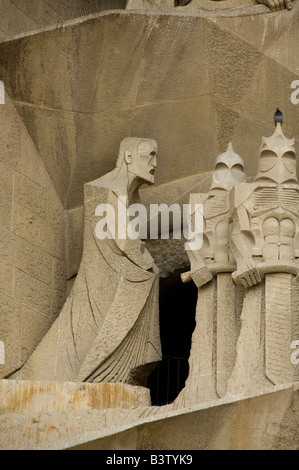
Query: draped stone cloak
{"x": 108, "y": 329}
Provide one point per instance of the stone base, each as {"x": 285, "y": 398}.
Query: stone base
{"x": 25, "y": 396}
{"x": 267, "y": 421}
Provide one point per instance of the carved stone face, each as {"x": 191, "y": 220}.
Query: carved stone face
{"x": 229, "y": 170}
{"x": 143, "y": 161}
{"x": 277, "y": 161}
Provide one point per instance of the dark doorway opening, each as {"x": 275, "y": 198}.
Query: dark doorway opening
{"x": 177, "y": 303}
{"x": 181, "y": 3}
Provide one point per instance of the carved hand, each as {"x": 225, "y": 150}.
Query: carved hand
{"x": 201, "y": 276}
{"x": 248, "y": 275}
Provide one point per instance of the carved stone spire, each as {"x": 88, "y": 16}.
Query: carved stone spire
{"x": 229, "y": 170}
{"x": 277, "y": 161}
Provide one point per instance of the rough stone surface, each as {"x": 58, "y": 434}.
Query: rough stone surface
{"x": 21, "y": 16}
{"x": 47, "y": 397}
{"x": 194, "y": 78}
{"x": 265, "y": 422}
{"x": 32, "y": 269}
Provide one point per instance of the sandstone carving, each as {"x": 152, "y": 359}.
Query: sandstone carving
{"x": 265, "y": 245}
{"x": 217, "y": 325}
{"x": 108, "y": 329}
{"x": 194, "y": 75}
{"x": 248, "y": 263}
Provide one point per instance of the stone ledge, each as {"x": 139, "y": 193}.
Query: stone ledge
{"x": 25, "y": 396}
{"x": 253, "y": 422}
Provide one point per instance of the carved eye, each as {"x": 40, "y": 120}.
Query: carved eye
{"x": 237, "y": 171}
{"x": 267, "y": 160}
{"x": 219, "y": 172}
{"x": 221, "y": 167}
{"x": 289, "y": 160}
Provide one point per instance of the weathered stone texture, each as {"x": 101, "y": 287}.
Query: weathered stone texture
{"x": 32, "y": 271}
{"x": 262, "y": 422}
{"x": 45, "y": 397}
{"x": 23, "y": 16}
{"x": 194, "y": 83}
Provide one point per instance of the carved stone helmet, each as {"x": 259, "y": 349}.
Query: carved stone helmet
{"x": 277, "y": 162}
{"x": 229, "y": 170}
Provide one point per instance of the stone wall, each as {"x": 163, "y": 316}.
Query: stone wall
{"x": 25, "y": 16}
{"x": 193, "y": 83}
{"x": 32, "y": 267}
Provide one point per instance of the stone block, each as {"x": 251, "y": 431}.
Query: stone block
{"x": 10, "y": 332}
{"x": 6, "y": 278}
{"x": 6, "y": 245}
{"x": 34, "y": 327}
{"x": 32, "y": 260}
{"x": 30, "y": 195}
{"x": 231, "y": 66}
{"x": 180, "y": 120}
{"x": 241, "y": 26}
{"x": 55, "y": 234}
{"x": 284, "y": 49}
{"x": 6, "y": 183}
{"x": 4, "y": 5}
{"x": 30, "y": 226}
{"x": 183, "y": 71}
{"x": 35, "y": 294}
{"x": 59, "y": 286}
{"x": 5, "y": 214}
{"x": 59, "y": 137}
{"x": 33, "y": 167}
{"x": 73, "y": 239}
{"x": 10, "y": 134}
{"x": 46, "y": 397}
{"x": 19, "y": 21}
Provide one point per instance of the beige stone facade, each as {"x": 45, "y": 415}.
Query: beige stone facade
{"x": 33, "y": 274}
